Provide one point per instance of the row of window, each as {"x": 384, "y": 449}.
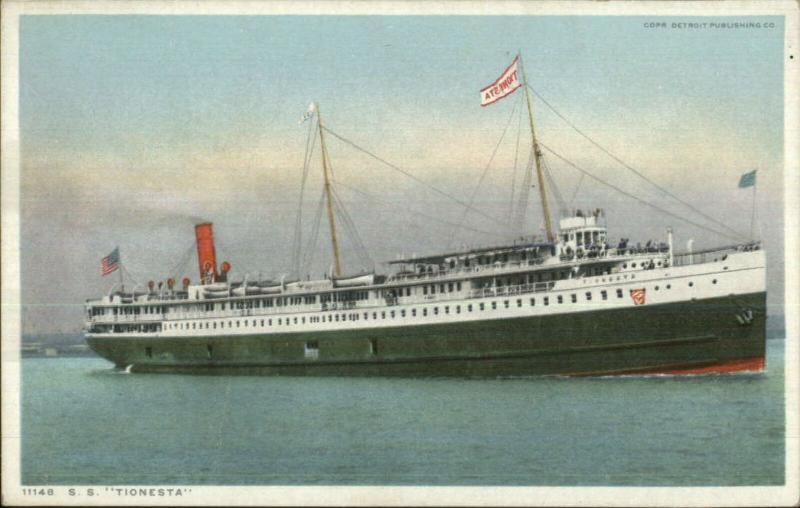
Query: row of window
{"x": 376, "y": 315}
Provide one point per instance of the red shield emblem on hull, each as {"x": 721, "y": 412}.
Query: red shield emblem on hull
{"x": 637, "y": 295}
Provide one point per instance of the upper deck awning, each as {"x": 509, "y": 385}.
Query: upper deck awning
{"x": 441, "y": 258}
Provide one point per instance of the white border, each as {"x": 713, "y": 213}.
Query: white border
{"x": 395, "y": 496}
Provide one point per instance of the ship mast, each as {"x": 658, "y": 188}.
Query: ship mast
{"x": 537, "y": 154}
{"x": 334, "y": 244}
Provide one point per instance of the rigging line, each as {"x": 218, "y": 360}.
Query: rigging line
{"x": 298, "y": 231}
{"x": 485, "y": 170}
{"x": 577, "y": 188}
{"x": 422, "y": 214}
{"x": 130, "y": 275}
{"x": 522, "y": 206}
{"x": 308, "y": 258}
{"x": 415, "y": 178}
{"x": 514, "y": 170}
{"x": 245, "y": 269}
{"x": 361, "y": 249}
{"x": 183, "y": 260}
{"x": 632, "y": 196}
{"x": 628, "y": 167}
{"x": 552, "y": 181}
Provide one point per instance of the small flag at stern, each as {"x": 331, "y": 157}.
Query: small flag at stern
{"x": 110, "y": 263}
{"x": 747, "y": 179}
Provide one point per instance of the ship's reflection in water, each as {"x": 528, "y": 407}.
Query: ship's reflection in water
{"x": 83, "y": 423}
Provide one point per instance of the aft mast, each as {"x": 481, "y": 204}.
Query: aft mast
{"x": 537, "y": 154}
{"x": 334, "y": 244}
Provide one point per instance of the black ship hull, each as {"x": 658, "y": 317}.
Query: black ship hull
{"x": 697, "y": 336}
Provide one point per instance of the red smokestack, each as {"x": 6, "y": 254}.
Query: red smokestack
{"x": 206, "y": 257}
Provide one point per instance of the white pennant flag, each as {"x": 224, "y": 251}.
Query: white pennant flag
{"x": 503, "y": 86}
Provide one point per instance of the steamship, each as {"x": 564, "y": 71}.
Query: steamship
{"x": 571, "y": 302}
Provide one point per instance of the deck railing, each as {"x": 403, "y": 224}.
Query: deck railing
{"x": 712, "y": 255}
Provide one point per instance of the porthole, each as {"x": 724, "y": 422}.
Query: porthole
{"x": 656, "y": 288}
{"x": 714, "y": 281}
{"x": 669, "y": 286}
{"x": 691, "y": 284}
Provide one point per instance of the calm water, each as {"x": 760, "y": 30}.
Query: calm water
{"x": 86, "y": 424}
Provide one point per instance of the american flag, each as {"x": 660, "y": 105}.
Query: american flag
{"x": 110, "y": 263}
{"x": 637, "y": 295}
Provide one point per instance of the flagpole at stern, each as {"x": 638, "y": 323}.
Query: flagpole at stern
{"x": 536, "y": 155}
{"x": 121, "y": 282}
{"x": 753, "y": 211}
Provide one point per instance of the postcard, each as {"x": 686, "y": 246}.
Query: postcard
{"x": 400, "y": 253}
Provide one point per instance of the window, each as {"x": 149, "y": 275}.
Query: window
{"x": 425, "y": 312}
{"x": 447, "y": 309}
{"x": 366, "y": 316}
{"x": 449, "y": 287}
{"x": 547, "y": 300}
{"x": 691, "y": 284}
{"x": 588, "y": 295}
{"x": 494, "y": 305}
{"x": 374, "y": 315}
{"x": 391, "y": 314}
{"x": 519, "y": 302}
{"x": 505, "y": 303}
{"x": 714, "y": 281}
{"x": 619, "y": 293}
{"x": 414, "y": 312}
{"x": 458, "y": 309}
{"x": 469, "y": 308}
{"x": 311, "y": 349}
{"x": 383, "y": 315}
{"x": 573, "y": 297}
{"x": 560, "y": 299}
{"x": 424, "y": 290}
{"x": 669, "y": 286}
{"x": 656, "y": 288}
{"x": 604, "y": 294}
{"x": 458, "y": 285}
{"x": 403, "y": 313}
{"x": 436, "y": 310}
{"x": 481, "y": 306}
{"x": 533, "y": 302}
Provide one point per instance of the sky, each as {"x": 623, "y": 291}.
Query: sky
{"x": 134, "y": 128}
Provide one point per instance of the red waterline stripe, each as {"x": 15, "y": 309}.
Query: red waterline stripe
{"x": 754, "y": 364}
